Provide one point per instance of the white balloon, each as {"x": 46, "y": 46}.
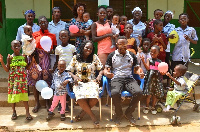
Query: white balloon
{"x": 46, "y": 93}
{"x": 46, "y": 43}
{"x": 40, "y": 85}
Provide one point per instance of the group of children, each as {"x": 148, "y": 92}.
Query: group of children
{"x": 152, "y": 50}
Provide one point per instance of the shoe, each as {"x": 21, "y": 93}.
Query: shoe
{"x": 96, "y": 124}
{"x": 131, "y": 119}
{"x": 50, "y": 116}
{"x": 146, "y": 110}
{"x": 153, "y": 111}
{"x": 118, "y": 120}
{"x": 62, "y": 118}
{"x": 67, "y": 109}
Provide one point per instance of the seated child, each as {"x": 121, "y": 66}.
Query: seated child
{"x": 60, "y": 79}
{"x": 144, "y": 53}
{"x": 123, "y": 20}
{"x": 88, "y": 23}
{"x": 115, "y": 29}
{"x": 180, "y": 86}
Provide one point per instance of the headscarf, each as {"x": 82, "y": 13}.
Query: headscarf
{"x": 170, "y": 12}
{"x": 29, "y": 11}
{"x": 136, "y": 9}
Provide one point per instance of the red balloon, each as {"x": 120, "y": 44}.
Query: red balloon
{"x": 73, "y": 29}
{"x": 163, "y": 67}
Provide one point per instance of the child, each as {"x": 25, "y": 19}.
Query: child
{"x": 153, "y": 86}
{"x": 187, "y": 35}
{"x": 115, "y": 30}
{"x": 88, "y": 22}
{"x": 180, "y": 85}
{"x": 167, "y": 29}
{"x": 158, "y": 38}
{"x": 65, "y": 52}
{"x": 17, "y": 83}
{"x": 157, "y": 16}
{"x": 123, "y": 20}
{"x": 131, "y": 45}
{"x": 144, "y": 53}
{"x": 60, "y": 79}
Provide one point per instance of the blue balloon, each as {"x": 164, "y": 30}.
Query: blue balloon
{"x": 40, "y": 85}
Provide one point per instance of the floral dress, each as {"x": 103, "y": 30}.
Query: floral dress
{"x": 79, "y": 39}
{"x": 88, "y": 88}
{"x": 153, "y": 81}
{"x": 17, "y": 81}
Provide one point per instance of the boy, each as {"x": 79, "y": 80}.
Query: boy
{"x": 180, "y": 86}
{"x": 181, "y": 52}
{"x": 123, "y": 21}
{"x": 65, "y": 52}
{"x": 60, "y": 79}
{"x": 115, "y": 29}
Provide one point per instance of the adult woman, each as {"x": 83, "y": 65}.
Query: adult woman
{"x": 29, "y": 16}
{"x": 78, "y": 11}
{"x": 44, "y": 60}
{"x": 86, "y": 88}
{"x": 138, "y": 26}
{"x": 102, "y": 33}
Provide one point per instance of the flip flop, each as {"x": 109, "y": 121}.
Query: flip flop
{"x": 35, "y": 109}
{"x": 29, "y": 118}
{"x": 14, "y": 116}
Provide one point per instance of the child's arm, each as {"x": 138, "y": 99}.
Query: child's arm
{"x": 5, "y": 67}
{"x": 28, "y": 66}
{"x": 146, "y": 65}
{"x": 138, "y": 70}
{"x": 160, "y": 39}
{"x": 56, "y": 63}
{"x": 189, "y": 39}
{"x": 173, "y": 79}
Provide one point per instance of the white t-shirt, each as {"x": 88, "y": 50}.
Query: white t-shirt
{"x": 65, "y": 53}
{"x": 181, "y": 87}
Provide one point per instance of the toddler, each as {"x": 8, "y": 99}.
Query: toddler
{"x": 180, "y": 86}
{"x": 123, "y": 21}
{"x": 88, "y": 23}
{"x": 60, "y": 79}
{"x": 115, "y": 30}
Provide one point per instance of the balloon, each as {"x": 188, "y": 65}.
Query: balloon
{"x": 40, "y": 85}
{"x": 163, "y": 67}
{"x": 46, "y": 93}
{"x": 46, "y": 43}
{"x": 175, "y": 39}
{"x": 73, "y": 29}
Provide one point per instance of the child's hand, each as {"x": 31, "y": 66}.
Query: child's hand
{"x": 186, "y": 37}
{"x": 171, "y": 36}
{"x": 65, "y": 83}
{"x": 142, "y": 57}
{"x": 171, "y": 89}
{"x": 155, "y": 38}
{"x": 160, "y": 39}
{"x": 162, "y": 73}
{"x": 1, "y": 58}
{"x": 139, "y": 50}
{"x": 9, "y": 58}
{"x": 81, "y": 30}
{"x": 168, "y": 74}
{"x": 147, "y": 23}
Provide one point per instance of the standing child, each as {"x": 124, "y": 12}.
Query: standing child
{"x": 144, "y": 53}
{"x": 187, "y": 35}
{"x": 158, "y": 38}
{"x": 131, "y": 45}
{"x": 88, "y": 23}
{"x": 153, "y": 87}
{"x": 17, "y": 82}
{"x": 158, "y": 13}
{"x": 123, "y": 21}
{"x": 64, "y": 52}
{"x": 60, "y": 79}
{"x": 180, "y": 86}
{"x": 115, "y": 29}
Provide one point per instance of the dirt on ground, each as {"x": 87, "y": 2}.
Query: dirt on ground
{"x": 194, "y": 127}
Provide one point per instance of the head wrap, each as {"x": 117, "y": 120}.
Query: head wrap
{"x": 29, "y": 11}
{"x": 170, "y": 12}
{"x": 136, "y": 9}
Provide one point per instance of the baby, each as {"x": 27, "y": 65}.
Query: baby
{"x": 115, "y": 29}
{"x": 88, "y": 22}
{"x": 123, "y": 21}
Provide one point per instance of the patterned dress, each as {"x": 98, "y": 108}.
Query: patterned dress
{"x": 86, "y": 71}
{"x": 80, "y": 39}
{"x": 17, "y": 81}
{"x": 153, "y": 81}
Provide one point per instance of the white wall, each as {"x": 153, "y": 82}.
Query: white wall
{"x": 16, "y": 8}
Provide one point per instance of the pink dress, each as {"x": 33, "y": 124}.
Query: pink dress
{"x": 105, "y": 44}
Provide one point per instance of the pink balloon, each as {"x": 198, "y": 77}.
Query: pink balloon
{"x": 73, "y": 29}
{"x": 163, "y": 67}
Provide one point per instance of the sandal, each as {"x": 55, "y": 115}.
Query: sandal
{"x": 29, "y": 118}
{"x": 78, "y": 118}
{"x": 14, "y": 116}
{"x": 35, "y": 109}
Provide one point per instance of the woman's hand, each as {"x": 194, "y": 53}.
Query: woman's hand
{"x": 98, "y": 79}
{"x": 76, "y": 80}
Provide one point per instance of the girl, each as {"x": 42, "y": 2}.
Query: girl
{"x": 158, "y": 38}
{"x": 153, "y": 86}
{"x": 131, "y": 45}
{"x": 17, "y": 83}
{"x": 145, "y": 53}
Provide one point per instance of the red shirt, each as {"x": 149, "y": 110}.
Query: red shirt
{"x": 162, "y": 53}
{"x": 39, "y": 34}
